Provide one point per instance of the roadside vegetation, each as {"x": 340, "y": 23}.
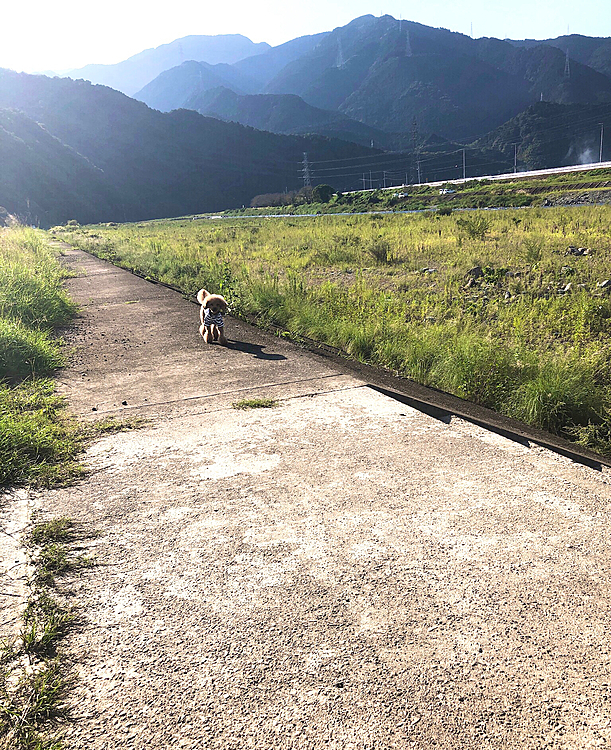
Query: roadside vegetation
{"x": 507, "y": 309}
{"x": 35, "y": 680}
{"x": 579, "y": 187}
{"x": 38, "y": 444}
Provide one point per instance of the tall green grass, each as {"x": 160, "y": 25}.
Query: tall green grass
{"x": 37, "y": 442}
{"x": 399, "y": 292}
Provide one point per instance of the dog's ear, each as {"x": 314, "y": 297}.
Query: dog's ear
{"x": 201, "y": 296}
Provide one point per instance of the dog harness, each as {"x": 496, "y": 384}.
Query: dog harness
{"x": 213, "y": 319}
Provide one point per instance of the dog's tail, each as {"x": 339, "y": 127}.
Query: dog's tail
{"x": 201, "y": 296}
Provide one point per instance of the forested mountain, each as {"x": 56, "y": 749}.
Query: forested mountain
{"x": 278, "y": 113}
{"x": 70, "y": 149}
{"x": 177, "y": 87}
{"x": 551, "y": 135}
{"x": 595, "y": 52}
{"x": 387, "y": 74}
{"x": 113, "y": 158}
{"x": 42, "y": 179}
{"x": 130, "y": 75}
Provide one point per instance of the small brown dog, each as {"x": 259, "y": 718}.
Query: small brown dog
{"x": 213, "y": 308}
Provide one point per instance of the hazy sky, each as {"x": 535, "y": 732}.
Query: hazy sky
{"x": 44, "y": 35}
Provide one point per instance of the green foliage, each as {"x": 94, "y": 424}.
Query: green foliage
{"x": 255, "y": 403}
{"x": 31, "y": 289}
{"x": 37, "y": 444}
{"x": 26, "y": 353}
{"x": 476, "y": 227}
{"x": 322, "y": 193}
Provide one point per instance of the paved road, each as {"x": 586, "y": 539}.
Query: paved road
{"x": 339, "y": 572}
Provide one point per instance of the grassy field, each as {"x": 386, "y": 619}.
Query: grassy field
{"x": 37, "y": 443}
{"x": 491, "y": 306}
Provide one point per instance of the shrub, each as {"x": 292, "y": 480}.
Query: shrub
{"x": 322, "y": 193}
{"x": 379, "y": 250}
{"x": 476, "y": 227}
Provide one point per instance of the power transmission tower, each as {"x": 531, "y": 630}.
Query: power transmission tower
{"x": 414, "y": 145}
{"x": 340, "y": 53}
{"x": 515, "y": 158}
{"x": 307, "y": 175}
{"x": 567, "y": 67}
{"x": 385, "y": 177}
{"x": 408, "y": 42}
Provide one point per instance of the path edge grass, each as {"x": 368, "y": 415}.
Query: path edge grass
{"x": 36, "y": 678}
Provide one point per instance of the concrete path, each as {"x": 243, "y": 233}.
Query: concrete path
{"x": 341, "y": 571}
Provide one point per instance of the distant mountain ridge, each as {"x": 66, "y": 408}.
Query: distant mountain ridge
{"x": 388, "y": 74}
{"x": 131, "y": 75}
{"x": 283, "y": 113}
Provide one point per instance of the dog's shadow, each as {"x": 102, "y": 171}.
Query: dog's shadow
{"x": 255, "y": 349}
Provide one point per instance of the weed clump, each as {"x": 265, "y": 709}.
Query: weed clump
{"x": 255, "y": 403}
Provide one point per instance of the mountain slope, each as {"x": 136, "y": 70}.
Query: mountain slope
{"x": 263, "y": 67}
{"x": 386, "y": 72}
{"x": 45, "y": 181}
{"x": 283, "y": 113}
{"x": 595, "y": 52}
{"x": 174, "y": 88}
{"x": 160, "y": 164}
{"x": 552, "y": 134}
{"x": 131, "y": 75}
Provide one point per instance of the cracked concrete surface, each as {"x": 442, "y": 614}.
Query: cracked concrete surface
{"x": 340, "y": 571}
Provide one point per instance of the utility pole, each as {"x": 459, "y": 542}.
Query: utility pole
{"x": 385, "y": 177}
{"x": 602, "y": 130}
{"x": 364, "y": 181}
{"x": 307, "y": 176}
{"x": 464, "y": 164}
{"x": 419, "y": 180}
{"x": 370, "y": 181}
